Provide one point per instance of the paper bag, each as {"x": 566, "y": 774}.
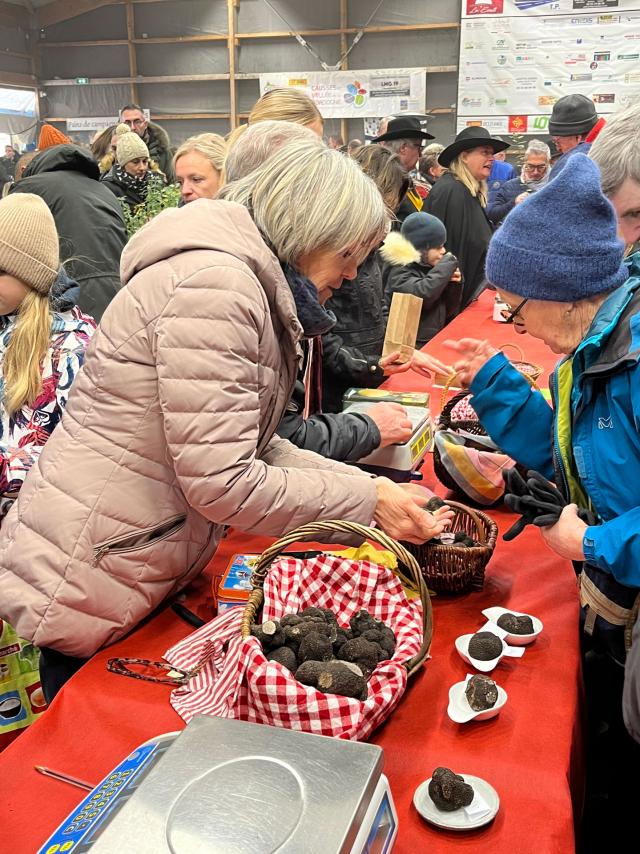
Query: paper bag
{"x": 402, "y": 326}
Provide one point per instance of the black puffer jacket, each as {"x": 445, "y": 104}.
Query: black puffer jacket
{"x": 403, "y": 273}
{"x": 353, "y": 347}
{"x": 88, "y": 219}
{"x": 159, "y": 145}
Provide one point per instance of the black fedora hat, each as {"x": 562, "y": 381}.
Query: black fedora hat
{"x": 471, "y": 137}
{"x": 404, "y": 127}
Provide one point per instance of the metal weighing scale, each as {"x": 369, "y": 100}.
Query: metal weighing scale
{"x": 398, "y": 461}
{"x": 223, "y": 786}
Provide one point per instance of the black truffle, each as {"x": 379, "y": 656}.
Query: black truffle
{"x": 311, "y": 611}
{"x": 516, "y": 625}
{"x": 284, "y": 656}
{"x": 434, "y": 503}
{"x": 362, "y": 622}
{"x": 315, "y": 647}
{"x": 363, "y": 653}
{"x": 383, "y": 636}
{"x": 290, "y": 620}
{"x": 481, "y": 693}
{"x": 270, "y": 634}
{"x": 485, "y": 646}
{"x": 448, "y": 791}
{"x": 342, "y": 636}
{"x": 332, "y": 677}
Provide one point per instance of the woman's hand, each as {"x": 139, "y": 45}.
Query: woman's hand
{"x": 391, "y": 364}
{"x": 399, "y": 513}
{"x": 473, "y": 355}
{"x": 457, "y": 275}
{"x": 565, "y": 537}
{"x": 427, "y": 366}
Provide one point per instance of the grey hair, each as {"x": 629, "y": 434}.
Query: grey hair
{"x": 307, "y": 196}
{"x": 616, "y": 150}
{"x": 536, "y": 146}
{"x": 259, "y": 141}
{"x": 396, "y": 144}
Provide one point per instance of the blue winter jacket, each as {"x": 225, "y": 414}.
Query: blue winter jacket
{"x": 501, "y": 171}
{"x": 605, "y": 430}
{"x": 580, "y": 148}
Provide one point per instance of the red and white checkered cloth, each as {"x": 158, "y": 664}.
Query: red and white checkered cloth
{"x": 237, "y": 681}
{"x": 463, "y": 411}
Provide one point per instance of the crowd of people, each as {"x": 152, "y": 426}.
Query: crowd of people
{"x": 156, "y": 388}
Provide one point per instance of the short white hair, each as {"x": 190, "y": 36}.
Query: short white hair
{"x": 308, "y": 197}
{"x": 536, "y": 146}
{"x": 259, "y": 141}
{"x": 616, "y": 150}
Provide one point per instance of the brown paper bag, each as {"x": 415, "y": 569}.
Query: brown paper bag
{"x": 402, "y": 326}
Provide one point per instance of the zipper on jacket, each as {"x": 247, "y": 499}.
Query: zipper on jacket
{"x": 118, "y": 545}
{"x": 555, "y": 442}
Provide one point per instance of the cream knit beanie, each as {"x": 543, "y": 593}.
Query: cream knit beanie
{"x": 130, "y": 145}
{"x": 28, "y": 241}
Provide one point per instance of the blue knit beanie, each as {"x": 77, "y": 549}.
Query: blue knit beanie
{"x": 424, "y": 231}
{"x": 560, "y": 243}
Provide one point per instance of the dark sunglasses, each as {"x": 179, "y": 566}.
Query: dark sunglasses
{"x": 510, "y": 316}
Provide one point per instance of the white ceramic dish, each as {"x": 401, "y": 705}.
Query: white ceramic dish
{"x": 461, "y": 712}
{"x": 462, "y": 645}
{"x": 494, "y": 614}
{"x": 458, "y": 819}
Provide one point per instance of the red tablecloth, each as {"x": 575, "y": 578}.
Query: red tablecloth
{"x": 531, "y": 753}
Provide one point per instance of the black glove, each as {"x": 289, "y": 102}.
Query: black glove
{"x": 537, "y": 501}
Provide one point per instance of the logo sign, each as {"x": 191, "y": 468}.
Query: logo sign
{"x": 517, "y": 124}
{"x": 541, "y": 123}
{"x": 485, "y": 7}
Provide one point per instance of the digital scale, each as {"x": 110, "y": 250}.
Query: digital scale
{"x": 397, "y": 462}
{"x": 224, "y": 786}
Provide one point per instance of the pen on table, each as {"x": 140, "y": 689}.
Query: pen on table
{"x": 65, "y": 778}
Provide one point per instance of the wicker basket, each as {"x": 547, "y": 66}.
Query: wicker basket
{"x": 408, "y": 572}
{"x": 453, "y": 568}
{"x": 530, "y": 371}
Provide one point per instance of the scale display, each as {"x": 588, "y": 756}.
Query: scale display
{"x": 224, "y": 786}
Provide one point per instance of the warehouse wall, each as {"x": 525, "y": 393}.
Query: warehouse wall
{"x": 197, "y": 17}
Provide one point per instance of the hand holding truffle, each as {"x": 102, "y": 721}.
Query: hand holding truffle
{"x": 400, "y": 513}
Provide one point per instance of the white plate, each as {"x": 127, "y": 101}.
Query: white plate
{"x": 462, "y": 645}
{"x": 494, "y": 614}
{"x": 457, "y": 820}
{"x": 461, "y": 712}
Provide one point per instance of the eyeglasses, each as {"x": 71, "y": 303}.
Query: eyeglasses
{"x": 514, "y": 315}
{"x": 531, "y": 167}
{"x": 134, "y": 122}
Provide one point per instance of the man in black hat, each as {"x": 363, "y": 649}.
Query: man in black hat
{"x": 572, "y": 118}
{"x": 405, "y": 137}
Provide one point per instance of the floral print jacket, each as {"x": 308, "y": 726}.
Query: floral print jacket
{"x": 24, "y": 433}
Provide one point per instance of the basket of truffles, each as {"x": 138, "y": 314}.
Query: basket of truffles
{"x": 455, "y": 561}
{"x": 328, "y": 643}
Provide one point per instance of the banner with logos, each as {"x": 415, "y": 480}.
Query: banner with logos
{"x": 518, "y": 57}
{"x": 357, "y": 94}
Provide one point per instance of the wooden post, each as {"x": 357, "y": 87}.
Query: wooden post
{"x": 232, "y": 19}
{"x": 133, "y": 59}
{"x": 344, "y": 64}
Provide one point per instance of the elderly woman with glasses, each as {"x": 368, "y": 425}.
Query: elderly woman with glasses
{"x": 533, "y": 176}
{"x": 574, "y": 292}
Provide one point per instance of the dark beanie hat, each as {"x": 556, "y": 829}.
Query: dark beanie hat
{"x": 424, "y": 231}
{"x": 561, "y": 243}
{"x": 572, "y": 115}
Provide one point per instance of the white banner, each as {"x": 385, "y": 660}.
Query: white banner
{"x": 97, "y": 122}
{"x": 518, "y": 57}
{"x": 357, "y": 94}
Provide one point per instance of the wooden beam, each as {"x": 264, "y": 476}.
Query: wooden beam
{"x": 232, "y": 21}
{"x": 344, "y": 64}
{"x": 161, "y": 78}
{"x": 15, "y": 53}
{"x": 13, "y": 16}
{"x": 17, "y": 81}
{"x": 214, "y": 37}
{"x": 133, "y": 60}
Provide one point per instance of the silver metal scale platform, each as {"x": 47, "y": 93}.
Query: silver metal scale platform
{"x": 229, "y": 787}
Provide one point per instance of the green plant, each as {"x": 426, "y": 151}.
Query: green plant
{"x": 158, "y": 198}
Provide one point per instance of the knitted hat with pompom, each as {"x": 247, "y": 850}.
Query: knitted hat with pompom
{"x": 130, "y": 146}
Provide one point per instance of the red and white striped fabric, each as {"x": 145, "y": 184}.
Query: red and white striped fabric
{"x": 237, "y": 681}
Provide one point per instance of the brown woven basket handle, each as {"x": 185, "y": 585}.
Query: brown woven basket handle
{"x": 516, "y": 347}
{"x": 445, "y": 390}
{"x": 482, "y": 540}
{"x": 314, "y": 531}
